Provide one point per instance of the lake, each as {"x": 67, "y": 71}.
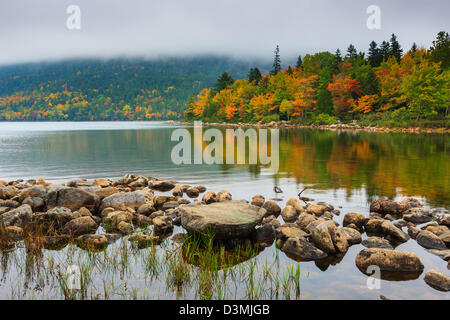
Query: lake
{"x": 346, "y": 169}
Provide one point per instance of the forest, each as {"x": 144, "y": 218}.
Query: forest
{"x": 116, "y": 89}
{"x": 387, "y": 85}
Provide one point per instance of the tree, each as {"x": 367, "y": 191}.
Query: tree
{"x": 299, "y": 62}
{"x": 413, "y": 48}
{"x": 324, "y": 100}
{"x": 351, "y": 52}
{"x": 375, "y": 56}
{"x": 395, "y": 49}
{"x": 223, "y": 82}
{"x": 338, "y": 56}
{"x": 287, "y": 107}
{"x": 385, "y": 50}
{"x": 344, "y": 91}
{"x": 440, "y": 50}
{"x": 276, "y": 62}
{"x": 254, "y": 75}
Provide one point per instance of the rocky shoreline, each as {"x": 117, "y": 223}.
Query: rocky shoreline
{"x": 339, "y": 127}
{"x": 93, "y": 214}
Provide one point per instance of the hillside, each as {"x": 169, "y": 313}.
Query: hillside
{"x": 119, "y": 89}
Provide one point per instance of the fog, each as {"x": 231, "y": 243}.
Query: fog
{"x": 37, "y": 31}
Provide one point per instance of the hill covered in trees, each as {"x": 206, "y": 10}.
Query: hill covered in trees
{"x": 119, "y": 89}
{"x": 385, "y": 84}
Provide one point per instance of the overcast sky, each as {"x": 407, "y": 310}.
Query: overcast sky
{"x": 35, "y": 30}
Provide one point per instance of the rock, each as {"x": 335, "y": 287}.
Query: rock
{"x": 376, "y": 242}
{"x": 125, "y": 227}
{"x": 201, "y": 188}
{"x": 113, "y": 219}
{"x": 437, "y": 280}
{"x": 192, "y": 192}
{"x": 353, "y": 217}
{"x": 271, "y": 220}
{"x": 53, "y": 220}
{"x": 443, "y": 254}
{"x": 413, "y": 231}
{"x": 437, "y": 229}
{"x": 272, "y": 208}
{"x": 258, "y": 200}
{"x": 210, "y": 197}
{"x": 289, "y": 214}
{"x": 9, "y": 204}
{"x": 290, "y": 231}
{"x": 102, "y": 182}
{"x": 160, "y": 200}
{"x": 83, "y": 212}
{"x": 429, "y": 240}
{"x": 230, "y": 219}
{"x": 177, "y": 191}
{"x": 294, "y": 202}
{"x": 400, "y": 223}
{"x": 162, "y": 225}
{"x": 353, "y": 236}
{"x": 224, "y": 195}
{"x": 397, "y": 234}
{"x": 18, "y": 217}
{"x": 445, "y": 220}
{"x": 329, "y": 206}
{"x": 417, "y": 215}
{"x": 144, "y": 241}
{"x": 411, "y": 202}
{"x": 79, "y": 226}
{"x": 146, "y": 209}
{"x": 299, "y": 247}
{"x": 162, "y": 186}
{"x": 8, "y": 192}
{"x": 327, "y": 237}
{"x": 388, "y": 207}
{"x": 316, "y": 209}
{"x": 124, "y": 200}
{"x": 71, "y": 198}
{"x": 92, "y": 242}
{"x": 389, "y": 217}
{"x": 388, "y": 260}
{"x": 265, "y": 234}
{"x": 37, "y": 191}
{"x": 106, "y": 192}
{"x": 142, "y": 221}
{"x": 58, "y": 242}
{"x": 445, "y": 237}
{"x": 304, "y": 219}
{"x": 14, "y": 233}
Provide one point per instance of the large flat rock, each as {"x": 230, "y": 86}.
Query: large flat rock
{"x": 229, "y": 219}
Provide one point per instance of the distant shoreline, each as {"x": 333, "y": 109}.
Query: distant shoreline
{"x": 286, "y": 124}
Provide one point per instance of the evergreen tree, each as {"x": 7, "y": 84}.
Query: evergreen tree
{"x": 338, "y": 56}
{"x": 324, "y": 99}
{"x": 223, "y": 82}
{"x": 385, "y": 50}
{"x": 395, "y": 49}
{"x": 254, "y": 75}
{"x": 374, "y": 57}
{"x": 413, "y": 48}
{"x": 289, "y": 70}
{"x": 299, "y": 62}
{"x": 276, "y": 62}
{"x": 351, "y": 52}
{"x": 440, "y": 50}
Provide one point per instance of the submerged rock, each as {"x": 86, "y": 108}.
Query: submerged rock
{"x": 230, "y": 219}
{"x": 376, "y": 242}
{"x": 354, "y": 218}
{"x": 144, "y": 241}
{"x": 302, "y": 249}
{"x": 388, "y": 260}
{"x": 352, "y": 235}
{"x": 329, "y": 238}
{"x": 430, "y": 241}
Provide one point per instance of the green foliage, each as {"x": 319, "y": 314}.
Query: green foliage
{"x": 270, "y": 118}
{"x": 324, "y": 119}
{"x": 276, "y": 67}
{"x": 440, "y": 50}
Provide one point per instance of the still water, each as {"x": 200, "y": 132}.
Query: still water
{"x": 347, "y": 169}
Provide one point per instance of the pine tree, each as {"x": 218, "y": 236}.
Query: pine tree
{"x": 223, "y": 82}
{"x": 413, "y": 48}
{"x": 254, "y": 75}
{"x": 289, "y": 70}
{"x": 374, "y": 57}
{"x": 395, "y": 50}
{"x": 299, "y": 62}
{"x": 440, "y": 50}
{"x": 276, "y": 62}
{"x": 351, "y": 52}
{"x": 385, "y": 49}
{"x": 324, "y": 99}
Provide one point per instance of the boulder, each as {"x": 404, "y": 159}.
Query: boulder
{"x": 294, "y": 202}
{"x": 230, "y": 219}
{"x": 106, "y": 192}
{"x": 258, "y": 200}
{"x": 37, "y": 191}
{"x": 144, "y": 241}
{"x": 102, "y": 182}
{"x": 272, "y": 208}
{"x": 146, "y": 209}
{"x": 445, "y": 220}
{"x": 327, "y": 237}
{"x": 417, "y": 215}
{"x": 92, "y": 242}
{"x": 210, "y": 197}
{"x": 437, "y": 280}
{"x": 266, "y": 233}
{"x": 71, "y": 198}
{"x": 316, "y": 209}
{"x": 437, "y": 229}
{"x": 53, "y": 220}
{"x": 162, "y": 186}
{"x": 353, "y": 236}
{"x": 304, "y": 219}
{"x": 376, "y": 242}
{"x": 124, "y": 200}
{"x": 192, "y": 192}
{"x": 290, "y": 231}
{"x": 388, "y": 207}
{"x": 443, "y": 254}
{"x": 289, "y": 214}
{"x": 113, "y": 219}
{"x": 354, "y": 217}
{"x": 37, "y": 204}
{"x": 80, "y": 226}
{"x": 162, "y": 225}
{"x": 18, "y": 217}
{"x": 388, "y": 260}
{"x": 201, "y": 188}
{"x": 224, "y": 195}
{"x": 411, "y": 202}
{"x": 177, "y": 191}
{"x": 160, "y": 200}
{"x": 388, "y": 228}
{"x": 302, "y": 249}
{"x": 429, "y": 240}
{"x": 125, "y": 227}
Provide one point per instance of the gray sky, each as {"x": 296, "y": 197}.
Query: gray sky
{"x": 35, "y": 30}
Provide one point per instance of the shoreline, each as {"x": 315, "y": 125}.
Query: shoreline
{"x": 335, "y": 127}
